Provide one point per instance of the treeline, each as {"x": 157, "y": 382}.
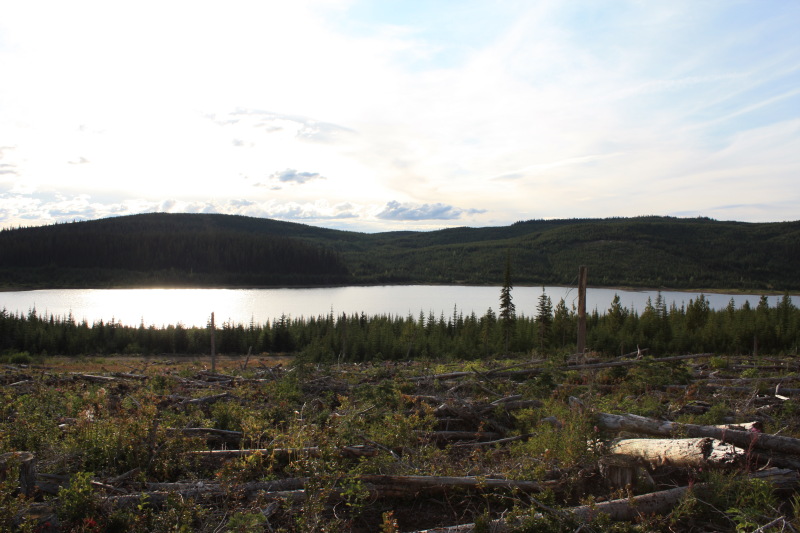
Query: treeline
{"x": 210, "y": 249}
{"x": 161, "y": 251}
{"x": 649, "y": 252}
{"x": 661, "y": 329}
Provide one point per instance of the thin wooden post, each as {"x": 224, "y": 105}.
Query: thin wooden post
{"x": 582, "y": 277}
{"x": 213, "y": 345}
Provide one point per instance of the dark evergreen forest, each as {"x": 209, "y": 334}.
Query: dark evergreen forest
{"x": 162, "y": 250}
{"x": 617, "y": 331}
{"x": 212, "y": 250}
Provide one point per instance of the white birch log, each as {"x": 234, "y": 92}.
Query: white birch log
{"x": 691, "y": 452}
{"x": 746, "y": 440}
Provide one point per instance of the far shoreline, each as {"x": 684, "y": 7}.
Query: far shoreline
{"x": 768, "y": 292}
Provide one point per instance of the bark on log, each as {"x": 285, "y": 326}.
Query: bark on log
{"x": 446, "y": 482}
{"x": 379, "y": 486}
{"x": 631, "y": 362}
{"x": 284, "y": 453}
{"x": 446, "y": 436}
{"x": 620, "y": 471}
{"x": 209, "y": 433}
{"x": 730, "y": 388}
{"x": 206, "y": 399}
{"x": 95, "y": 379}
{"x": 627, "y": 509}
{"x": 492, "y": 442}
{"x": 746, "y": 440}
{"x": 692, "y": 452}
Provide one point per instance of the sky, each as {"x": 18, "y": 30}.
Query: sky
{"x": 380, "y": 115}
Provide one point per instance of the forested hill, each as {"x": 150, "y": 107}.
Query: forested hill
{"x": 203, "y": 250}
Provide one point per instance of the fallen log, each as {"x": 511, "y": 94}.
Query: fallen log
{"x": 495, "y": 373}
{"x": 379, "y": 481}
{"x": 94, "y": 378}
{"x": 729, "y": 388}
{"x": 631, "y": 362}
{"x": 692, "y": 452}
{"x": 284, "y": 453}
{"x": 493, "y": 442}
{"x": 416, "y": 483}
{"x": 746, "y": 440}
{"x": 512, "y": 405}
{"x": 265, "y": 486}
{"x": 625, "y": 509}
{"x": 447, "y": 436}
{"x": 294, "y": 489}
{"x": 206, "y": 399}
{"x": 210, "y": 433}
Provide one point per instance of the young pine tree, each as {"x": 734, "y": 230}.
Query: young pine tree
{"x": 544, "y": 319}
{"x": 508, "y": 313}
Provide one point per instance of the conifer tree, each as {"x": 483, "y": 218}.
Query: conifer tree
{"x": 544, "y": 319}
{"x": 508, "y": 313}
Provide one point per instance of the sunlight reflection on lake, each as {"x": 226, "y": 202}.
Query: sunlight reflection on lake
{"x": 193, "y": 307}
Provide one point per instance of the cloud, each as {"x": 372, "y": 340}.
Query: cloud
{"x": 396, "y": 211}
{"x": 290, "y": 175}
{"x": 80, "y": 161}
{"x": 8, "y": 168}
{"x": 302, "y": 127}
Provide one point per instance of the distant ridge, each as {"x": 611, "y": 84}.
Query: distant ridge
{"x": 230, "y": 250}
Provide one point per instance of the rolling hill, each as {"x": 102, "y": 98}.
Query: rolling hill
{"x": 226, "y": 250}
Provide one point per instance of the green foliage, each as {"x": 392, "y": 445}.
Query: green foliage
{"x": 246, "y": 522}
{"x": 177, "y": 515}
{"x": 727, "y": 502}
{"x": 205, "y": 249}
{"x": 715, "y": 415}
{"x": 77, "y": 501}
{"x": 552, "y": 446}
{"x": 358, "y": 337}
{"x": 12, "y": 505}
{"x": 21, "y": 358}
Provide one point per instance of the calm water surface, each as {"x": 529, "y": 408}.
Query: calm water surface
{"x": 193, "y": 307}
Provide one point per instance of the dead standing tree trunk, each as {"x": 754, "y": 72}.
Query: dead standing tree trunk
{"x": 213, "y": 345}
{"x": 582, "y": 278}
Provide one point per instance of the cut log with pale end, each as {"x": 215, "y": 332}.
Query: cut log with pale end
{"x": 691, "y": 452}
{"x": 746, "y": 440}
{"x": 620, "y": 471}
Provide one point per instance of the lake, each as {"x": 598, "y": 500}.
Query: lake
{"x": 193, "y": 307}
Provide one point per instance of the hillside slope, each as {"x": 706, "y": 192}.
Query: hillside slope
{"x": 203, "y": 250}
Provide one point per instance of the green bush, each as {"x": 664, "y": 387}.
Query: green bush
{"x": 20, "y": 358}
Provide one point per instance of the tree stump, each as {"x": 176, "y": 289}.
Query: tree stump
{"x": 27, "y": 470}
{"x": 620, "y": 471}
